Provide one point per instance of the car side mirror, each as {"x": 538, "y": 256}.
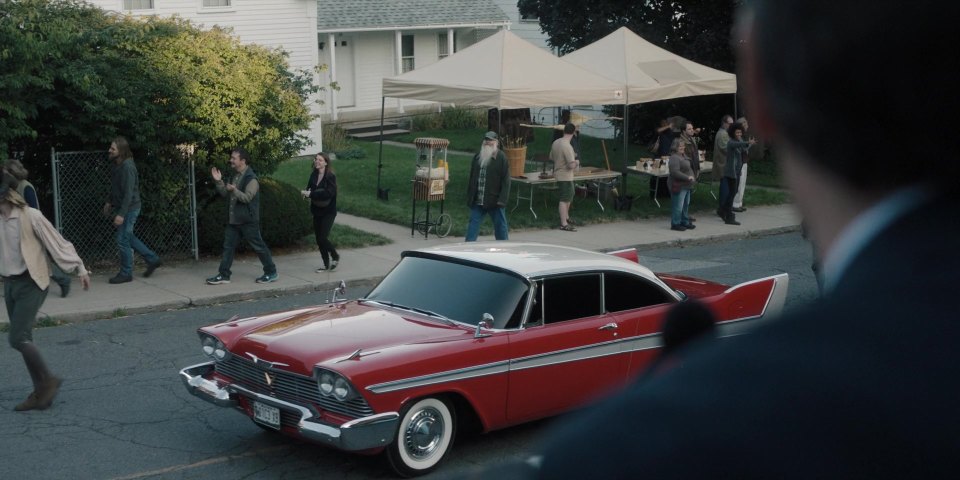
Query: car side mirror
{"x": 484, "y": 324}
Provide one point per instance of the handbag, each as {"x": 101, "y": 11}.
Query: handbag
{"x": 316, "y": 202}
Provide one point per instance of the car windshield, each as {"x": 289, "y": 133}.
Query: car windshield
{"x": 457, "y": 291}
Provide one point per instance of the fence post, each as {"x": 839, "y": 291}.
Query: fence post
{"x": 193, "y": 210}
{"x": 56, "y": 190}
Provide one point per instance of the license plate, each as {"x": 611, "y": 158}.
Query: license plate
{"x": 266, "y": 415}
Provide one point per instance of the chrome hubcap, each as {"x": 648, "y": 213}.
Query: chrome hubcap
{"x": 423, "y": 433}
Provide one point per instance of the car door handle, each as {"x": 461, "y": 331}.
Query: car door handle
{"x": 609, "y": 326}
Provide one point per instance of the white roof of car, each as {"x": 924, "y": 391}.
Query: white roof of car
{"x": 538, "y": 259}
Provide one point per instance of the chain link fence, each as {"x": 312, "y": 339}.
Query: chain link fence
{"x": 167, "y": 221}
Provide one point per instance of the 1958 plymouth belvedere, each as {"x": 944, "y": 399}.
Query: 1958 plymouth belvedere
{"x": 482, "y": 335}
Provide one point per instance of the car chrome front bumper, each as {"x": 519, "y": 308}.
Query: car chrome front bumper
{"x": 365, "y": 433}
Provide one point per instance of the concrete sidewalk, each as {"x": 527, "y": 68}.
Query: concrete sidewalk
{"x": 182, "y": 285}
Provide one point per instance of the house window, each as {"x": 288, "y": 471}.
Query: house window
{"x": 216, "y": 3}
{"x": 406, "y": 53}
{"x": 138, "y": 4}
{"x": 442, "y": 45}
{"x": 529, "y": 18}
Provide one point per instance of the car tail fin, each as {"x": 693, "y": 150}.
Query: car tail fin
{"x": 628, "y": 253}
{"x": 740, "y": 306}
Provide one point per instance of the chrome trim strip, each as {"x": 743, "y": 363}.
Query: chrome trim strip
{"x": 360, "y": 434}
{"x": 615, "y": 347}
{"x": 597, "y": 350}
{"x": 441, "y": 377}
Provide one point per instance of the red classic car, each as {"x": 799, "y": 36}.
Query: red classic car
{"x": 482, "y": 335}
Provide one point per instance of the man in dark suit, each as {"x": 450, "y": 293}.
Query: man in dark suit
{"x": 864, "y": 383}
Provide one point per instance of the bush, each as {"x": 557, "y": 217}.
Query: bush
{"x": 351, "y": 153}
{"x": 335, "y": 138}
{"x": 456, "y": 118}
{"x": 284, "y": 217}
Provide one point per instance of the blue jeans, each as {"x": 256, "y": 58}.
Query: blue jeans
{"x": 127, "y": 242}
{"x": 497, "y": 214}
{"x": 679, "y": 206}
{"x": 251, "y": 232}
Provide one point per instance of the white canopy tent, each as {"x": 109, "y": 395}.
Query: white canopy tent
{"x": 647, "y": 72}
{"x": 502, "y": 71}
{"x": 505, "y": 71}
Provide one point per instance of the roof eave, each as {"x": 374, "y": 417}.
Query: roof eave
{"x": 505, "y": 24}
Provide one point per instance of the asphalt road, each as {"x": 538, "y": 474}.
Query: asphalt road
{"x": 123, "y": 414}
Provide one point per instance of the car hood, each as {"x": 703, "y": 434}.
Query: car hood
{"x": 332, "y": 333}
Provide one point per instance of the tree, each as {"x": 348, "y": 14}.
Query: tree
{"x": 74, "y": 76}
{"x": 695, "y": 29}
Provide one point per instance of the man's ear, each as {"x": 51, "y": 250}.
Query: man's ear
{"x": 755, "y": 93}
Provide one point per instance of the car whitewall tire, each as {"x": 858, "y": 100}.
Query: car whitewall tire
{"x": 425, "y": 435}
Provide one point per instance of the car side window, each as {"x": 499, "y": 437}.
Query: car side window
{"x": 570, "y": 297}
{"x": 623, "y": 291}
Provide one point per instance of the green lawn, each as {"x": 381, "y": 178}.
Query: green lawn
{"x": 357, "y": 179}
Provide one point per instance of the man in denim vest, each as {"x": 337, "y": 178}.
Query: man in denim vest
{"x": 244, "y": 194}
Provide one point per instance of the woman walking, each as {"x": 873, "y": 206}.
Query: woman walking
{"x": 322, "y": 192}
{"x": 681, "y": 181}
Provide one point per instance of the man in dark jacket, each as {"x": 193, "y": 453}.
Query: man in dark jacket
{"x": 123, "y": 207}
{"x": 244, "y": 218}
{"x": 863, "y": 382}
{"x": 488, "y": 189}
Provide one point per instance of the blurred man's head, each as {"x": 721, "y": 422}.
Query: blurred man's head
{"x": 827, "y": 78}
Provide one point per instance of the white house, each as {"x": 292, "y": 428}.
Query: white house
{"x": 364, "y": 41}
{"x": 287, "y": 24}
{"x": 527, "y": 28}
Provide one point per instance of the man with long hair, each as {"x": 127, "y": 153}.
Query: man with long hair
{"x": 26, "y": 240}
{"x": 488, "y": 189}
{"x": 123, "y": 208}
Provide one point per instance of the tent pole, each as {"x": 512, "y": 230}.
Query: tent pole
{"x": 735, "y": 116}
{"x": 381, "y": 193}
{"x": 626, "y": 137}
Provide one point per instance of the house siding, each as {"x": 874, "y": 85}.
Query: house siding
{"x": 529, "y": 31}
{"x": 290, "y": 25}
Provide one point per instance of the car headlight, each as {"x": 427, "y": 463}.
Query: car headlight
{"x": 341, "y": 389}
{"x": 214, "y": 348}
{"x": 327, "y": 380}
{"x": 219, "y": 352}
{"x": 332, "y": 384}
{"x": 208, "y": 344}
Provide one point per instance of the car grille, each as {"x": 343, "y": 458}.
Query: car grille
{"x": 289, "y": 387}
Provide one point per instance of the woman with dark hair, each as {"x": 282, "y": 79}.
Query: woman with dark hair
{"x": 681, "y": 181}
{"x": 322, "y": 192}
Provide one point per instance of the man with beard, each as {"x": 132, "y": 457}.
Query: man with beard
{"x": 488, "y": 189}
{"x": 243, "y": 215}
{"x": 123, "y": 207}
